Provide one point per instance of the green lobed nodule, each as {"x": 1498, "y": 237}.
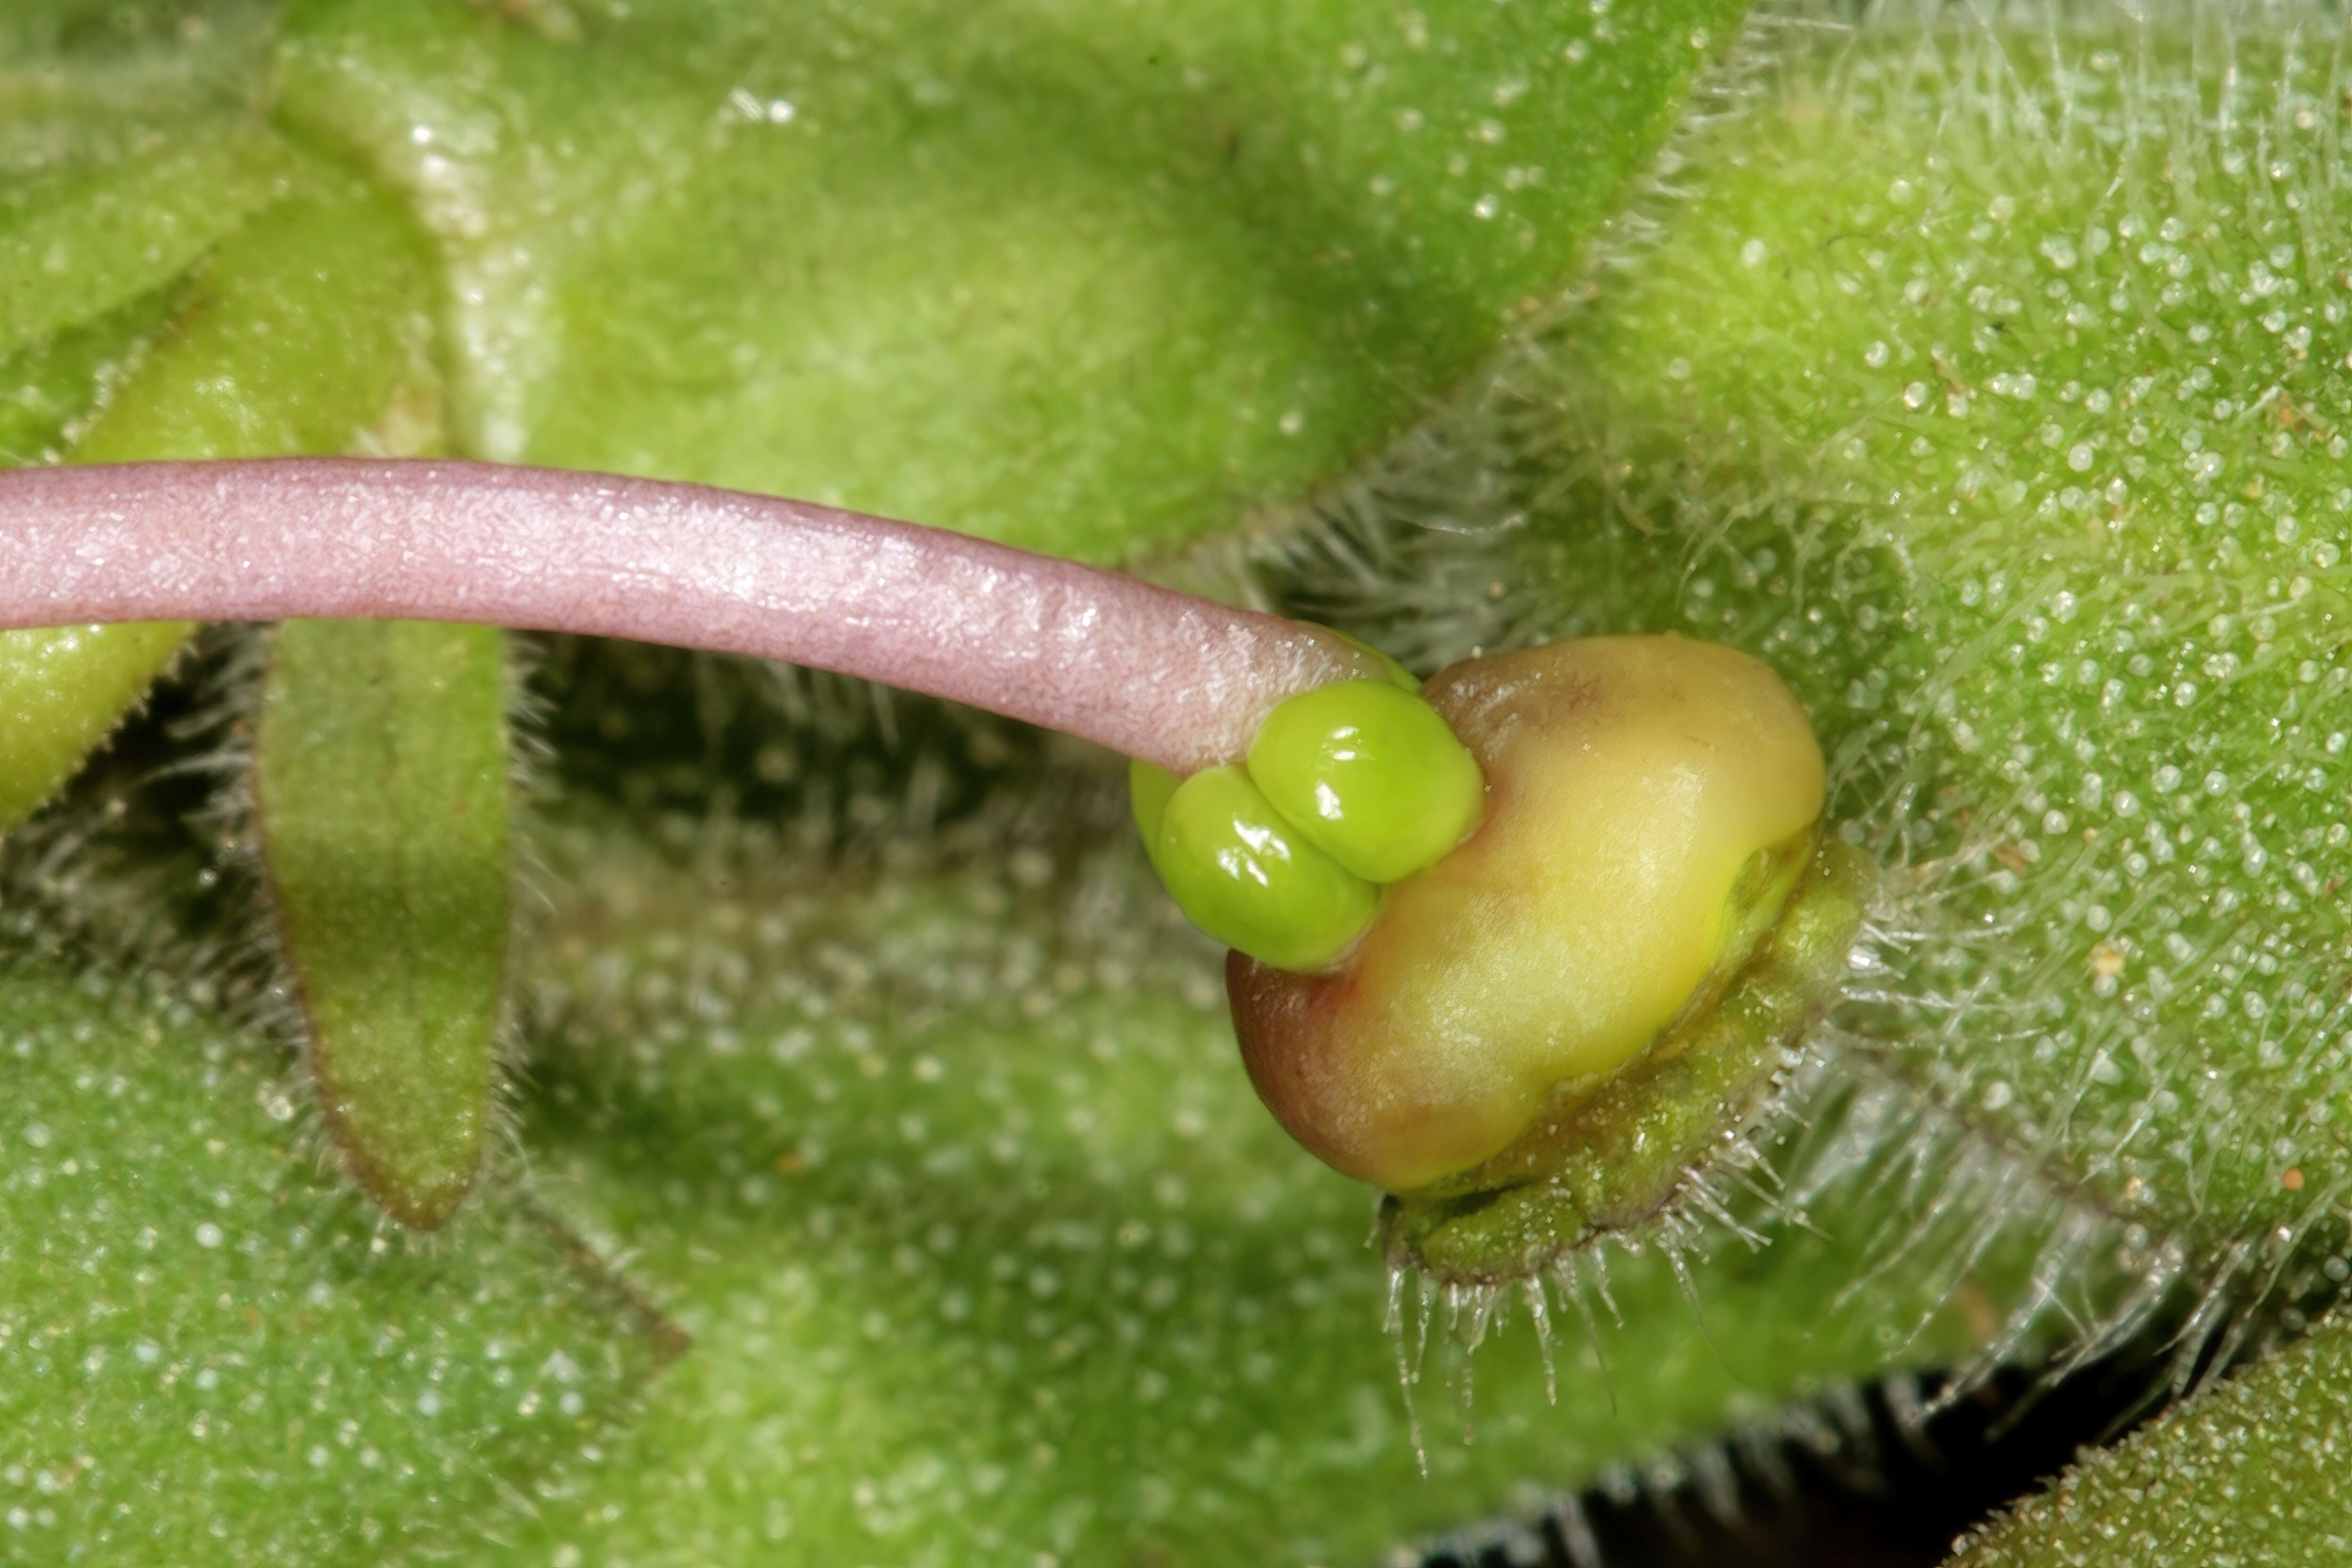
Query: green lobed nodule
{"x": 1346, "y": 788}
{"x": 1370, "y": 775}
{"x": 381, "y": 763}
{"x": 1248, "y": 878}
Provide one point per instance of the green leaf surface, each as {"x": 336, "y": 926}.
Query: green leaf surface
{"x": 77, "y": 243}
{"x": 2252, "y": 1473}
{"x": 1088, "y": 279}
{"x": 63, "y": 690}
{"x": 51, "y": 389}
{"x": 209, "y": 1352}
{"x": 988, "y": 1251}
{"x": 380, "y": 796}
{"x": 91, "y": 88}
{"x": 1990, "y": 385}
{"x": 310, "y": 329}
{"x": 946, "y": 1161}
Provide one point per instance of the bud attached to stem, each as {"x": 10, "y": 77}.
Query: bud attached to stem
{"x": 1651, "y": 810}
{"x": 1515, "y": 945}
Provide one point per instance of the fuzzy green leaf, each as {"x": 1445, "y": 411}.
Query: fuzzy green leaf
{"x": 2252, "y": 1473}
{"x": 987, "y": 1248}
{"x": 1755, "y": 427}
{"x": 77, "y": 243}
{"x": 1990, "y": 386}
{"x": 380, "y": 794}
{"x": 50, "y": 390}
{"x": 63, "y": 690}
{"x": 209, "y": 1353}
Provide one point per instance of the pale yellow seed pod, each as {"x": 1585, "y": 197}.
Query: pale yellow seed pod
{"x": 1633, "y": 785}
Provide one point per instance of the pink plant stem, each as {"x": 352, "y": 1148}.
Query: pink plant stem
{"x": 1147, "y": 671}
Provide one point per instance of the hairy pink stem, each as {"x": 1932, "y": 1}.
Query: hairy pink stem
{"x": 1155, "y": 674}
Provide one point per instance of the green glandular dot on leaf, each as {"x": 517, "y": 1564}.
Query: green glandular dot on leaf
{"x": 304, "y": 330}
{"x": 1089, "y": 281}
{"x": 208, "y": 1353}
{"x": 380, "y": 785}
{"x": 1988, "y": 393}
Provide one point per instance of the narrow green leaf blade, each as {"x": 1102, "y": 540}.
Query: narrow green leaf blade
{"x": 380, "y": 782}
{"x": 63, "y": 689}
{"x": 51, "y": 389}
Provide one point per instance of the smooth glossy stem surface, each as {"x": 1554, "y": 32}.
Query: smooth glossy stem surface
{"x": 1155, "y": 674}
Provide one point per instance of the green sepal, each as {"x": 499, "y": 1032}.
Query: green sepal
{"x": 381, "y": 782}
{"x": 1244, "y": 875}
{"x": 63, "y": 689}
{"x": 1370, "y": 774}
